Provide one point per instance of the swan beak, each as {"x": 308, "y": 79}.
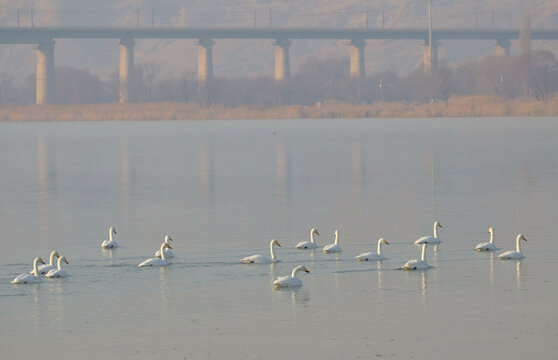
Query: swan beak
{"x": 317, "y": 233}
{"x": 41, "y": 261}
{"x": 386, "y": 242}
{"x": 278, "y": 244}
{"x": 170, "y": 247}
{"x": 524, "y": 238}
{"x": 306, "y": 270}
{"x": 440, "y": 225}
{"x": 66, "y": 261}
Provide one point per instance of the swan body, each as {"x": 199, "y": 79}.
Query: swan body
{"x": 290, "y": 281}
{"x": 373, "y": 256}
{"x": 417, "y": 264}
{"x": 487, "y": 246}
{"x": 110, "y": 243}
{"x": 32, "y": 278}
{"x": 168, "y": 252}
{"x": 517, "y": 254}
{"x": 156, "y": 261}
{"x": 333, "y": 248}
{"x": 430, "y": 239}
{"x": 308, "y": 244}
{"x": 43, "y": 269}
{"x": 263, "y": 259}
{"x": 58, "y": 272}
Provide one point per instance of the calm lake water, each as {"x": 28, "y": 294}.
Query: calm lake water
{"x": 224, "y": 189}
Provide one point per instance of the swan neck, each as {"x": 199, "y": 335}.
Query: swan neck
{"x": 163, "y": 246}
{"x": 59, "y": 265}
{"x": 52, "y": 255}
{"x": 436, "y": 230}
{"x": 312, "y": 236}
{"x": 379, "y": 247}
{"x": 36, "y": 266}
{"x": 110, "y": 234}
{"x": 423, "y": 254}
{"x": 492, "y": 237}
{"x": 295, "y": 270}
{"x": 271, "y": 250}
{"x": 336, "y": 238}
{"x": 517, "y": 244}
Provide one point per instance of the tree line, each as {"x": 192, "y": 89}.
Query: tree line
{"x": 530, "y": 74}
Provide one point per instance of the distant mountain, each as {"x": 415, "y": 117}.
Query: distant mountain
{"x": 235, "y": 58}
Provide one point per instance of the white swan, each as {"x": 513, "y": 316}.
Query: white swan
{"x": 168, "y": 252}
{"x": 333, "y": 248}
{"x": 59, "y": 272}
{"x": 430, "y": 239}
{"x": 487, "y": 246}
{"x": 371, "y": 256}
{"x": 32, "y": 278}
{"x": 290, "y": 281}
{"x": 156, "y": 261}
{"x": 417, "y": 264}
{"x": 309, "y": 244}
{"x": 517, "y": 254}
{"x": 262, "y": 259}
{"x": 43, "y": 269}
{"x": 110, "y": 243}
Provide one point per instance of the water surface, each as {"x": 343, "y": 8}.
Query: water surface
{"x": 224, "y": 189}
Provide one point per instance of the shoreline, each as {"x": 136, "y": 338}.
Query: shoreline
{"x": 459, "y": 106}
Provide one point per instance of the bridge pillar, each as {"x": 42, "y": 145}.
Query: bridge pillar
{"x": 126, "y": 69}
{"x": 357, "y": 59}
{"x": 502, "y": 47}
{"x": 46, "y": 87}
{"x": 205, "y": 61}
{"x": 430, "y": 57}
{"x": 282, "y": 61}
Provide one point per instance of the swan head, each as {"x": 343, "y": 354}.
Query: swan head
{"x": 63, "y": 259}
{"x": 383, "y": 241}
{"x": 336, "y": 233}
{"x": 54, "y": 253}
{"x": 490, "y": 230}
{"x": 167, "y": 246}
{"x": 40, "y": 260}
{"x": 305, "y": 269}
{"x": 437, "y": 224}
{"x": 112, "y": 230}
{"x": 275, "y": 242}
{"x": 521, "y": 237}
{"x": 168, "y": 238}
{"x": 315, "y": 231}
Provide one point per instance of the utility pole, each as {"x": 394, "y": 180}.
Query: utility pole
{"x": 383, "y": 19}
{"x": 430, "y": 31}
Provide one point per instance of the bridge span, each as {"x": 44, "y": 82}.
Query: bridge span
{"x": 44, "y": 38}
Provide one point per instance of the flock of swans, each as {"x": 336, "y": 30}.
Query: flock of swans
{"x": 165, "y": 252}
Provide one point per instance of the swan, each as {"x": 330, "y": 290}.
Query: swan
{"x": 262, "y": 259}
{"x": 111, "y": 243}
{"x": 517, "y": 254}
{"x": 417, "y": 264}
{"x": 331, "y": 248}
{"x": 32, "y": 278}
{"x": 168, "y": 253}
{"x": 370, "y": 256}
{"x": 290, "y": 281}
{"x": 156, "y": 261}
{"x": 430, "y": 239}
{"x": 309, "y": 244}
{"x": 43, "y": 269}
{"x": 487, "y": 246}
{"x": 58, "y": 273}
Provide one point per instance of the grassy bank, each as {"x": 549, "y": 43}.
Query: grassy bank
{"x": 464, "y": 106}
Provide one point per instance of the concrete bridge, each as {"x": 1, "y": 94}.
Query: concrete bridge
{"x": 44, "y": 38}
